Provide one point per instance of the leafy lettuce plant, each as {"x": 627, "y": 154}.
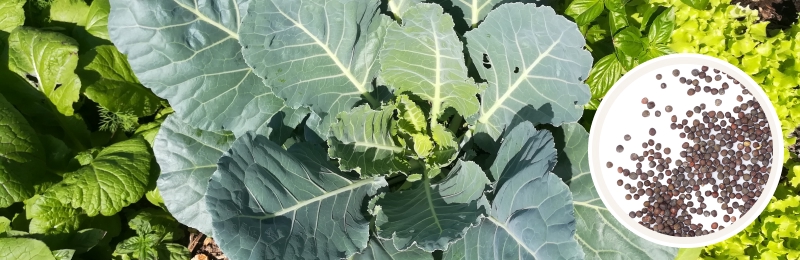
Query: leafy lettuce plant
{"x": 327, "y": 129}
{"x": 772, "y": 58}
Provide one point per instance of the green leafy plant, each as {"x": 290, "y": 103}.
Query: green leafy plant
{"x": 621, "y": 34}
{"x": 771, "y": 57}
{"x": 326, "y": 130}
{"x": 75, "y": 154}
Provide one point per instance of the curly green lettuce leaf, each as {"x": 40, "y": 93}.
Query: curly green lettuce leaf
{"x": 193, "y": 59}
{"x": 533, "y": 59}
{"x": 188, "y": 157}
{"x": 317, "y": 53}
{"x": 433, "y": 216}
{"x": 600, "y": 235}
{"x": 531, "y": 216}
{"x": 47, "y": 60}
{"x": 264, "y": 201}
{"x": 117, "y": 177}
{"x": 23, "y": 158}
{"x": 438, "y": 74}
{"x": 362, "y": 140}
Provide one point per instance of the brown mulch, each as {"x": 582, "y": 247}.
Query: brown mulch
{"x": 203, "y": 247}
{"x": 780, "y": 13}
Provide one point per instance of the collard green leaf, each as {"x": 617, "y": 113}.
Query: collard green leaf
{"x": 188, "y": 157}
{"x": 629, "y": 40}
{"x": 399, "y": 7}
{"x": 384, "y": 250}
{"x": 317, "y": 53}
{"x": 24, "y": 249}
{"x": 96, "y": 22}
{"x": 598, "y": 232}
{"x": 532, "y": 59}
{"x": 433, "y": 216}
{"x": 109, "y": 81}
{"x": 689, "y": 253}
{"x": 447, "y": 148}
{"x": 11, "y": 16}
{"x": 266, "y": 202}
{"x": 475, "y": 10}
{"x": 362, "y": 141}
{"x": 22, "y": 158}
{"x": 117, "y": 177}
{"x": 524, "y": 147}
{"x": 531, "y": 216}
{"x": 193, "y": 59}
{"x": 585, "y": 11}
{"x": 425, "y": 57}
{"x": 603, "y": 75}
{"x": 48, "y": 61}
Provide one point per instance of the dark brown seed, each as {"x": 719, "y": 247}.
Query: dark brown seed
{"x": 663, "y": 85}
{"x": 658, "y": 113}
{"x": 651, "y": 105}
{"x": 619, "y": 182}
{"x": 652, "y": 131}
{"x": 658, "y": 76}
{"x": 714, "y": 225}
{"x": 609, "y": 165}
{"x": 644, "y": 100}
{"x": 627, "y": 137}
{"x": 718, "y": 102}
{"x": 727, "y": 218}
{"x": 695, "y": 72}
{"x": 668, "y": 109}
{"x": 704, "y": 68}
{"x": 690, "y": 92}
{"x": 676, "y": 73}
{"x": 646, "y": 113}
{"x": 620, "y": 148}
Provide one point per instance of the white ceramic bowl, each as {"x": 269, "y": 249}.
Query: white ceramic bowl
{"x": 620, "y": 113}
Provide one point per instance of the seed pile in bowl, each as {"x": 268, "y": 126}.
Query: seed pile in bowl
{"x": 725, "y": 156}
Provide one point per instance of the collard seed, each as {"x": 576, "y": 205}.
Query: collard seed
{"x": 646, "y": 113}
{"x": 676, "y": 72}
{"x": 718, "y": 102}
{"x": 658, "y": 76}
{"x": 652, "y": 131}
{"x": 620, "y": 148}
{"x": 609, "y": 165}
{"x": 644, "y": 100}
{"x": 627, "y": 137}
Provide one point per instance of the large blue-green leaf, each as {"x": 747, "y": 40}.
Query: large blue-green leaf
{"x": 363, "y": 141}
{"x": 475, "y": 10}
{"x": 188, "y": 52}
{"x": 434, "y": 216}
{"x": 598, "y": 232}
{"x": 317, "y": 53}
{"x": 188, "y": 157}
{"x": 22, "y": 158}
{"x": 531, "y": 216}
{"x": 269, "y": 203}
{"x": 425, "y": 57}
{"x": 399, "y": 7}
{"x": 384, "y": 250}
{"x": 533, "y": 59}
{"x": 47, "y": 60}
{"x": 117, "y": 177}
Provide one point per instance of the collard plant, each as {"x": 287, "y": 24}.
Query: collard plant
{"x": 328, "y": 129}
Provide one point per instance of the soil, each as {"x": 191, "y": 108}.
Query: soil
{"x": 780, "y": 13}
{"x": 203, "y": 247}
